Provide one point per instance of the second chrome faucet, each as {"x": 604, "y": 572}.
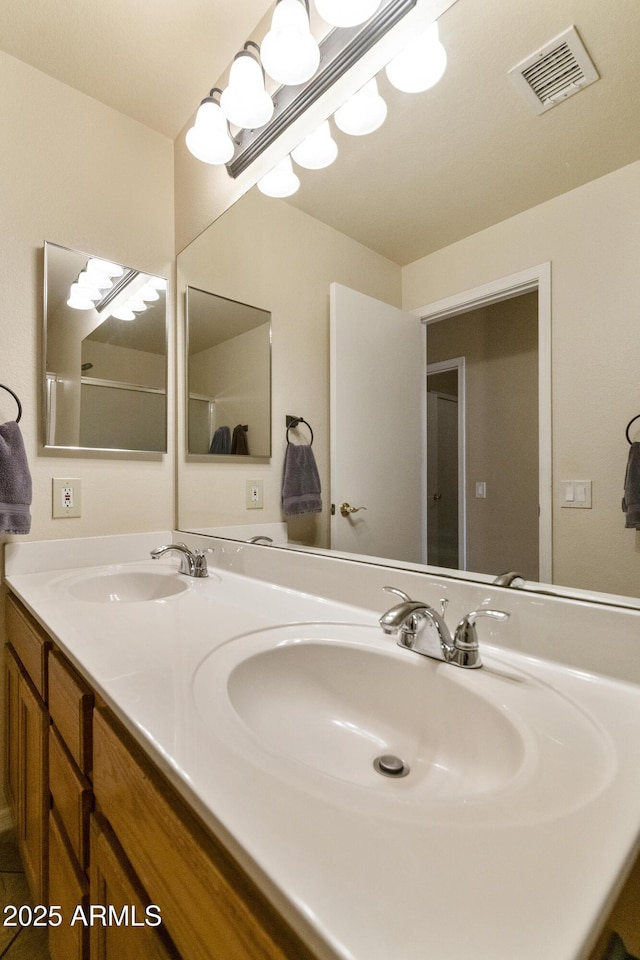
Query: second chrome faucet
{"x": 422, "y": 629}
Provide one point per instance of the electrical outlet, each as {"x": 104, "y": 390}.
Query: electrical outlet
{"x": 255, "y": 495}
{"x": 66, "y": 497}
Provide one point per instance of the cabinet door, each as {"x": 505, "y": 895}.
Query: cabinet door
{"x": 68, "y": 890}
{"x": 27, "y": 735}
{"x": 124, "y": 932}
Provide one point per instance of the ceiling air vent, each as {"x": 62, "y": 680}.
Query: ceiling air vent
{"x": 558, "y": 70}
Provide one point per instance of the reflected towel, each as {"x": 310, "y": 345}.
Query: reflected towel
{"x": 239, "y": 443}
{"x": 15, "y": 481}
{"x": 221, "y": 442}
{"x": 631, "y": 499}
{"x": 300, "y": 481}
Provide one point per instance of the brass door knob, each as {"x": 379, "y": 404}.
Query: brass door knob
{"x": 346, "y": 509}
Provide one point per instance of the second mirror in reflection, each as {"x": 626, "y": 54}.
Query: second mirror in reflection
{"x": 229, "y": 377}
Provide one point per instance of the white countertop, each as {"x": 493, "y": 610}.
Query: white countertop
{"x": 358, "y": 881}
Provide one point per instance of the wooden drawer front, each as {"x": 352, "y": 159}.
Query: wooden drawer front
{"x": 72, "y": 797}
{"x": 29, "y": 642}
{"x": 68, "y": 890}
{"x": 70, "y": 706}
{"x": 201, "y": 892}
{"x": 114, "y": 884}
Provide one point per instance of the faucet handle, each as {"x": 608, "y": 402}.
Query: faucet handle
{"x": 466, "y": 636}
{"x": 399, "y": 593}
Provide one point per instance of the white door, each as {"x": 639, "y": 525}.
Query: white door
{"x": 442, "y": 480}
{"x": 377, "y": 427}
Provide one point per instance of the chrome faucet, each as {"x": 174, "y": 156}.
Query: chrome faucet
{"x": 193, "y": 564}
{"x": 422, "y": 629}
{"x": 510, "y": 579}
{"x": 260, "y": 539}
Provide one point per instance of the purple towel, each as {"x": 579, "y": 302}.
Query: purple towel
{"x": 15, "y": 481}
{"x": 300, "y": 481}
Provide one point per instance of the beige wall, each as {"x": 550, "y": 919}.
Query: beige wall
{"x": 76, "y": 172}
{"x": 499, "y": 343}
{"x": 592, "y": 238}
{"x": 274, "y": 257}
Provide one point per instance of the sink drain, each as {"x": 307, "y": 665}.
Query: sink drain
{"x": 391, "y": 766}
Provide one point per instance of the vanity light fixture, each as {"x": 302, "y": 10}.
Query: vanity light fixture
{"x": 245, "y": 102}
{"x": 208, "y": 139}
{"x": 281, "y": 181}
{"x": 290, "y": 54}
{"x": 421, "y": 64}
{"x": 79, "y": 298}
{"x": 123, "y": 313}
{"x": 96, "y": 265}
{"x": 318, "y": 150}
{"x": 363, "y": 113}
{"x": 346, "y": 13}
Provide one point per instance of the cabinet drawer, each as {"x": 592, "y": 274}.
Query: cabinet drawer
{"x": 70, "y": 706}
{"x": 72, "y": 797}
{"x": 202, "y": 893}
{"x": 29, "y": 642}
{"x": 68, "y": 890}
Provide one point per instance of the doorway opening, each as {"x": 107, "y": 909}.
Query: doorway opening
{"x": 507, "y": 493}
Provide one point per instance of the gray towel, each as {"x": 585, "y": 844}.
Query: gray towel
{"x": 221, "y": 442}
{"x": 631, "y": 499}
{"x": 15, "y": 481}
{"x": 300, "y": 481}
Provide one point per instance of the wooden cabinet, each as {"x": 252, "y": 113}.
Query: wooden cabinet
{"x": 26, "y": 724}
{"x": 68, "y": 890}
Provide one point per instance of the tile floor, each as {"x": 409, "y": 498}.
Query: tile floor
{"x": 17, "y": 943}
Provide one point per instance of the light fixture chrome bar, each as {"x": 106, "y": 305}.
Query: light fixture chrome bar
{"x": 339, "y": 51}
{"x": 117, "y": 288}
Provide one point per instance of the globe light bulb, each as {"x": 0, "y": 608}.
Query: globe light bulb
{"x": 245, "y": 102}
{"x": 363, "y": 113}
{"x": 208, "y": 139}
{"x": 289, "y": 53}
{"x": 318, "y": 150}
{"x": 79, "y": 298}
{"x": 420, "y": 65}
{"x": 346, "y": 13}
{"x": 281, "y": 181}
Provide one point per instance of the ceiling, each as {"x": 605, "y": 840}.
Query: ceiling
{"x": 448, "y": 162}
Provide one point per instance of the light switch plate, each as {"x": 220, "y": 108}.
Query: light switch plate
{"x": 576, "y": 494}
{"x": 66, "y": 497}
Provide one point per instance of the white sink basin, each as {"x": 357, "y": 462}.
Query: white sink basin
{"x": 120, "y": 585}
{"x": 319, "y": 704}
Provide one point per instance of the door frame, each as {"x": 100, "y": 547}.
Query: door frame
{"x": 505, "y": 288}
{"x": 441, "y": 366}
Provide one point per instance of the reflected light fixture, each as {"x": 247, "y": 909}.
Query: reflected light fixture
{"x": 208, "y": 139}
{"x": 346, "y": 13}
{"x": 79, "y": 298}
{"x": 420, "y": 64}
{"x": 290, "y": 54}
{"x": 245, "y": 102}
{"x": 281, "y": 181}
{"x": 362, "y": 113}
{"x": 318, "y": 150}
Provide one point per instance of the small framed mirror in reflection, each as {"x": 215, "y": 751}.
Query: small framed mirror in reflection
{"x": 228, "y": 378}
{"x": 105, "y": 355}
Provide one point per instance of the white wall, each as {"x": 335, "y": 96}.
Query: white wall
{"x": 592, "y": 238}
{"x": 84, "y": 176}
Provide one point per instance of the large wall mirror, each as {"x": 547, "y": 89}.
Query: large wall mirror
{"x": 105, "y": 355}
{"x": 228, "y": 377}
{"x": 462, "y": 188}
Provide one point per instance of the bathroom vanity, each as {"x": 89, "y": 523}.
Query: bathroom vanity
{"x": 198, "y": 753}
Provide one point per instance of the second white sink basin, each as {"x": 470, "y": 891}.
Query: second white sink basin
{"x": 320, "y": 704}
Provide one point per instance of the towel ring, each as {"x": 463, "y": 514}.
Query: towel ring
{"x": 633, "y": 420}
{"x": 296, "y": 422}
{"x": 16, "y": 398}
